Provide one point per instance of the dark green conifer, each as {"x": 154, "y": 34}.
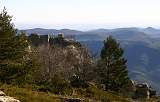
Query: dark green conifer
{"x": 15, "y": 55}
{"x": 113, "y": 69}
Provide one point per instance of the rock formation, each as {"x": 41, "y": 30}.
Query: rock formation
{"x": 4, "y": 98}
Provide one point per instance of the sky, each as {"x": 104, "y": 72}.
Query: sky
{"x": 83, "y": 14}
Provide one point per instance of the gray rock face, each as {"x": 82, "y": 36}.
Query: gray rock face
{"x": 142, "y": 91}
{"x": 4, "y": 98}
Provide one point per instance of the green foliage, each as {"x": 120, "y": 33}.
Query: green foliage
{"x": 60, "y": 86}
{"x": 95, "y": 94}
{"x": 16, "y": 61}
{"x": 56, "y": 85}
{"x": 112, "y": 67}
{"x": 77, "y": 82}
{"x": 28, "y": 95}
{"x": 7, "y": 29}
{"x": 34, "y": 38}
{"x": 93, "y": 91}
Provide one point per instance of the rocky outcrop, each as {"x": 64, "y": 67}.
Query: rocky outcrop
{"x": 141, "y": 90}
{"x": 4, "y": 98}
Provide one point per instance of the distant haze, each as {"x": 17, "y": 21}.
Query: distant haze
{"x": 83, "y": 14}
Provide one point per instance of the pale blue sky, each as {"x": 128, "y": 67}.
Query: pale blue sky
{"x": 83, "y": 14}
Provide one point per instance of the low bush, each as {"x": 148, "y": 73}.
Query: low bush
{"x": 77, "y": 82}
{"x": 57, "y": 86}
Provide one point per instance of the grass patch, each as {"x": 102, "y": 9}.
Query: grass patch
{"x": 28, "y": 95}
{"x": 90, "y": 94}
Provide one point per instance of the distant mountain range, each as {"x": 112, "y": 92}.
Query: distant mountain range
{"x": 141, "y": 45}
{"x": 152, "y": 32}
{"x": 42, "y": 31}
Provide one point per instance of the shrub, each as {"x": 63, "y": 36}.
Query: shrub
{"x": 57, "y": 85}
{"x": 77, "y": 82}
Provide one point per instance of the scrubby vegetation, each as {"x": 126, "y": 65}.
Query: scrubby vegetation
{"x": 45, "y": 69}
{"x": 91, "y": 94}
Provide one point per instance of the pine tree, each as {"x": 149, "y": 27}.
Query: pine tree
{"x": 15, "y": 60}
{"x": 7, "y": 34}
{"x": 7, "y": 29}
{"x": 113, "y": 69}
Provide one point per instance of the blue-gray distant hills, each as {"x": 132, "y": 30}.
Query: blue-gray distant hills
{"x": 141, "y": 45}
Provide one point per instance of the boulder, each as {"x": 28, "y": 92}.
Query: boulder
{"x": 142, "y": 91}
{"x": 2, "y": 93}
{"x": 8, "y": 99}
{"x": 4, "y": 98}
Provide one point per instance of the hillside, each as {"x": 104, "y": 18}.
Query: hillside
{"x": 30, "y": 94}
{"x": 142, "y": 49}
{"x": 68, "y": 65}
{"x": 143, "y": 60}
{"x": 27, "y": 94}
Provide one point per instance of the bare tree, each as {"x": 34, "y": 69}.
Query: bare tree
{"x": 66, "y": 61}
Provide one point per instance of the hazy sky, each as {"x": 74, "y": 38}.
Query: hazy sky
{"x": 83, "y": 14}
